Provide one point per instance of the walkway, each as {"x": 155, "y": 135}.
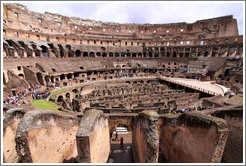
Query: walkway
{"x": 203, "y": 86}
{"x": 124, "y": 155}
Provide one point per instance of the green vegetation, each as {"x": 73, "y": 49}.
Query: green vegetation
{"x": 44, "y": 104}
{"x": 193, "y": 55}
{"x": 54, "y": 94}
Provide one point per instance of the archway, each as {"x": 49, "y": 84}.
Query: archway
{"x": 104, "y": 54}
{"x": 47, "y": 79}
{"x": 21, "y": 76}
{"x": 40, "y": 78}
{"x": 85, "y": 54}
{"x": 44, "y": 51}
{"x": 186, "y": 54}
{"x": 92, "y": 54}
{"x": 98, "y": 54}
{"x": 110, "y": 54}
{"x": 123, "y": 54}
{"x": 78, "y": 53}
{"x": 117, "y": 54}
{"x": 60, "y": 99}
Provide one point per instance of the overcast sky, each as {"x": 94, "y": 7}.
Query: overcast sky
{"x": 143, "y": 12}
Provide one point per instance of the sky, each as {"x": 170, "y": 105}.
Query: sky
{"x": 158, "y": 12}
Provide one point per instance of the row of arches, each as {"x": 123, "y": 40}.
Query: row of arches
{"x": 79, "y": 53}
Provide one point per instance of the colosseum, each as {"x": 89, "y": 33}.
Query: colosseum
{"x": 84, "y": 91}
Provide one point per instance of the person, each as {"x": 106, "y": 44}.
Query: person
{"x": 116, "y": 136}
{"x": 121, "y": 142}
{"x": 111, "y": 133}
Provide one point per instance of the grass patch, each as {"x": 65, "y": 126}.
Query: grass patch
{"x": 44, "y": 104}
{"x": 54, "y": 94}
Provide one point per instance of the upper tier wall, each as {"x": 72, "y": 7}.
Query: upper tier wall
{"x": 18, "y": 17}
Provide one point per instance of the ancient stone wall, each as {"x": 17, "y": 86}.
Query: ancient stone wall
{"x": 145, "y": 138}
{"x": 44, "y": 136}
{"x": 93, "y": 138}
{"x": 19, "y": 17}
{"x": 234, "y": 146}
{"x": 11, "y": 120}
{"x": 193, "y": 138}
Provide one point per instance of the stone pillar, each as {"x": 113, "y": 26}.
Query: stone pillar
{"x": 24, "y": 53}
{"x": 33, "y": 53}
{"x": 49, "y": 52}
{"x": 93, "y": 142}
{"x": 145, "y": 138}
{"x": 15, "y": 54}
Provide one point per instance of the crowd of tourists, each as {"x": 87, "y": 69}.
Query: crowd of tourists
{"x": 199, "y": 108}
{"x": 27, "y": 92}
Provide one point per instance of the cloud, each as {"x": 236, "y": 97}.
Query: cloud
{"x": 143, "y": 12}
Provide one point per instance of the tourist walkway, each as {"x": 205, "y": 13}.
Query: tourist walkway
{"x": 203, "y": 86}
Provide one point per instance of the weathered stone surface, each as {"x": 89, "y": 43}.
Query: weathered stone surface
{"x": 33, "y": 145}
{"x": 145, "y": 138}
{"x": 183, "y": 138}
{"x": 93, "y": 138}
{"x": 12, "y": 118}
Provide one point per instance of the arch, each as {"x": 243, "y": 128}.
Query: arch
{"x": 134, "y": 55}
{"x": 117, "y": 54}
{"x": 78, "y": 53}
{"x": 92, "y": 54}
{"x": 40, "y": 78}
{"x": 156, "y": 55}
{"x": 21, "y": 76}
{"x": 69, "y": 76}
{"x": 44, "y": 51}
{"x": 140, "y": 55}
{"x": 214, "y": 53}
{"x": 60, "y": 99}
{"x": 111, "y": 54}
{"x": 128, "y": 54}
{"x": 68, "y": 95}
{"x": 98, "y": 54}
{"x": 70, "y": 54}
{"x": 104, "y": 54}
{"x": 174, "y": 54}
{"x": 123, "y": 54}
{"x": 168, "y": 54}
{"x": 76, "y": 74}
{"x": 181, "y": 55}
{"x": 227, "y": 72}
{"x": 186, "y": 54}
{"x": 128, "y": 82}
{"x": 85, "y": 54}
{"x": 47, "y": 78}
{"x": 62, "y": 77}
{"x": 199, "y": 54}
{"x": 150, "y": 54}
{"x": 206, "y": 54}
{"x": 75, "y": 91}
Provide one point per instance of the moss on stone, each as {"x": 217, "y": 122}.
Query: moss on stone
{"x": 152, "y": 115}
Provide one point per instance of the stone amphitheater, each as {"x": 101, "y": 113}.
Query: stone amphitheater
{"x": 71, "y": 83}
